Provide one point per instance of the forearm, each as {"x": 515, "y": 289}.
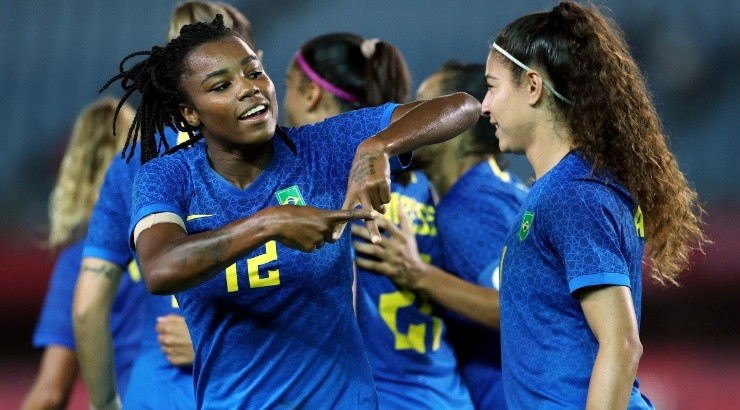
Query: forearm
{"x": 613, "y": 374}
{"x": 54, "y": 381}
{"x": 428, "y": 122}
{"x": 474, "y": 302}
{"x": 94, "y": 295}
{"x": 172, "y": 261}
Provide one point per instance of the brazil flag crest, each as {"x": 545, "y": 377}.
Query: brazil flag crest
{"x": 526, "y": 225}
{"x": 290, "y": 196}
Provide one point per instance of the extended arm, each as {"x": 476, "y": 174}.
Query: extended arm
{"x": 611, "y": 316}
{"x": 93, "y": 301}
{"x": 172, "y": 261}
{"x": 412, "y": 125}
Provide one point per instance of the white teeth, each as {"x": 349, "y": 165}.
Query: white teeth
{"x": 254, "y": 110}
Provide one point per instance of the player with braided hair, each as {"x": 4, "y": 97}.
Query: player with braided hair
{"x": 166, "y": 354}
{"x": 564, "y": 90}
{"x": 264, "y": 280}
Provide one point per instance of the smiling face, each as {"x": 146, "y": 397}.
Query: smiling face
{"x": 231, "y": 99}
{"x": 507, "y": 106}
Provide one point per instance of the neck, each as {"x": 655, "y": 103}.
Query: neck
{"x": 546, "y": 151}
{"x": 240, "y": 166}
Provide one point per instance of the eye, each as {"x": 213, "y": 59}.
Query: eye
{"x": 221, "y": 86}
{"x": 255, "y": 74}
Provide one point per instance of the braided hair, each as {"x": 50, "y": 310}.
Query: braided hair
{"x": 157, "y": 78}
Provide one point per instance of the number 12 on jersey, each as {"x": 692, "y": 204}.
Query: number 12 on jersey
{"x": 253, "y": 267}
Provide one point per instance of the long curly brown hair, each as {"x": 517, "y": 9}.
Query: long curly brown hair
{"x": 613, "y": 120}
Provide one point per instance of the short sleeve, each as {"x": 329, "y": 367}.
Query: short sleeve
{"x": 108, "y": 227}
{"x": 55, "y": 321}
{"x": 582, "y": 226}
{"x": 159, "y": 186}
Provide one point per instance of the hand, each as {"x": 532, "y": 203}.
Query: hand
{"x": 174, "y": 339}
{"x": 396, "y": 257}
{"x": 307, "y": 228}
{"x": 369, "y": 186}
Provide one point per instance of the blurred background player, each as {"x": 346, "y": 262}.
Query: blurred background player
{"x": 479, "y": 201}
{"x": 412, "y": 362}
{"x": 166, "y": 354}
{"x": 91, "y": 148}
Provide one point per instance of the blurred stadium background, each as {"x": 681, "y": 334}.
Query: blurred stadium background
{"x": 56, "y": 54}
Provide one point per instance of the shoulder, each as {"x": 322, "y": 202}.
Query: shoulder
{"x": 173, "y": 164}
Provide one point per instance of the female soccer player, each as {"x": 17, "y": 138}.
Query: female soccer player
{"x": 564, "y": 90}
{"x": 166, "y": 354}
{"x": 228, "y": 224}
{"x": 412, "y": 361}
{"x": 479, "y": 200}
{"x": 91, "y": 148}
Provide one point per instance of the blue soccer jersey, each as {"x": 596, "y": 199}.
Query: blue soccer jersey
{"x": 573, "y": 231}
{"x": 155, "y": 382}
{"x": 55, "y": 323}
{"x": 108, "y": 239}
{"x": 473, "y": 219}
{"x": 413, "y": 363}
{"x": 276, "y": 329}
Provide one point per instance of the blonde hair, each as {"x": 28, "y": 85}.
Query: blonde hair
{"x": 89, "y": 153}
{"x": 194, "y": 11}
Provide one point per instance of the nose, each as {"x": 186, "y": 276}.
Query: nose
{"x": 484, "y": 110}
{"x": 248, "y": 87}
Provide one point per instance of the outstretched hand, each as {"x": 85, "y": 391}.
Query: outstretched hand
{"x": 307, "y": 228}
{"x": 369, "y": 186}
{"x": 396, "y": 257}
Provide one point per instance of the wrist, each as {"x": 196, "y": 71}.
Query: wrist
{"x": 374, "y": 146}
{"x": 423, "y": 276}
{"x": 266, "y": 227}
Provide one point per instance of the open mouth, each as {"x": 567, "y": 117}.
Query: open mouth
{"x": 255, "y": 111}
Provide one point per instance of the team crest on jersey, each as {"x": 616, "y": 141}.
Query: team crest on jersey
{"x": 290, "y": 196}
{"x": 526, "y": 225}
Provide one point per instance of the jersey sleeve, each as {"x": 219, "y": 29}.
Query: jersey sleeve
{"x": 583, "y": 230}
{"x": 159, "y": 186}
{"x": 55, "y": 321}
{"x": 106, "y": 237}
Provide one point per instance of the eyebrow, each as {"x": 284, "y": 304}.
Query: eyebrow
{"x": 490, "y": 77}
{"x": 246, "y": 60}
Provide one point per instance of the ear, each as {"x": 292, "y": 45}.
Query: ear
{"x": 534, "y": 86}
{"x": 190, "y": 115}
{"x": 312, "y": 96}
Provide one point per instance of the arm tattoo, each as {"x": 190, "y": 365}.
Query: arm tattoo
{"x": 107, "y": 270}
{"x": 365, "y": 167}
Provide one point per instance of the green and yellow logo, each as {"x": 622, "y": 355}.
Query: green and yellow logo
{"x": 639, "y": 223}
{"x": 290, "y": 196}
{"x": 526, "y": 225}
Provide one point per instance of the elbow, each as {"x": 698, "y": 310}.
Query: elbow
{"x": 157, "y": 284}
{"x": 159, "y": 281}
{"x": 633, "y": 349}
{"x": 470, "y": 108}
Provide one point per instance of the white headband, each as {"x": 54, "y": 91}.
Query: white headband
{"x": 524, "y": 66}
